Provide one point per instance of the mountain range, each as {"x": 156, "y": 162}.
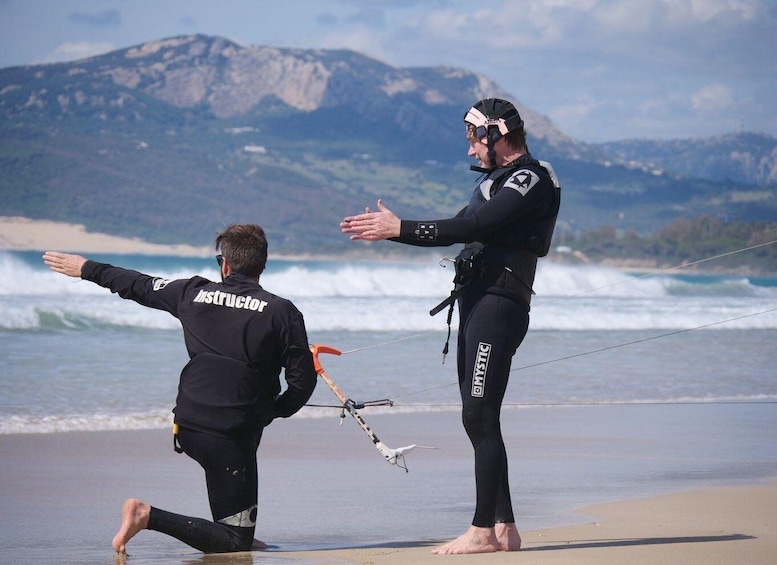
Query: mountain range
{"x": 173, "y": 139}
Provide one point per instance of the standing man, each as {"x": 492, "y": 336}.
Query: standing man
{"x": 238, "y": 337}
{"x": 507, "y": 225}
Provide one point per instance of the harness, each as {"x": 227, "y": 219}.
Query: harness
{"x": 506, "y": 263}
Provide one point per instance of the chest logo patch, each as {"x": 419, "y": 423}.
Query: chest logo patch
{"x": 522, "y": 181}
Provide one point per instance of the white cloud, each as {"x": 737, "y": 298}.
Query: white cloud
{"x": 110, "y": 18}
{"x": 617, "y": 18}
{"x": 706, "y": 10}
{"x": 575, "y": 116}
{"x": 502, "y": 27}
{"x": 712, "y": 97}
{"x": 358, "y": 39}
{"x": 74, "y": 50}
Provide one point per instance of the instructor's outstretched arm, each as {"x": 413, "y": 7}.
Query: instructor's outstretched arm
{"x": 64, "y": 263}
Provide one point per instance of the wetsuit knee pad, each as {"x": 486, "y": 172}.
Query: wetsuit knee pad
{"x": 243, "y": 519}
{"x": 242, "y": 525}
{"x": 242, "y": 538}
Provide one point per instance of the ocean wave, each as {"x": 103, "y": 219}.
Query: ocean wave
{"x": 408, "y": 314}
{"x": 159, "y": 419}
{"x": 294, "y": 279}
{"x": 162, "y": 419}
{"x": 370, "y": 296}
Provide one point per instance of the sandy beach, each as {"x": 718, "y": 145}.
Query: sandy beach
{"x": 24, "y": 234}
{"x": 327, "y": 497}
{"x": 716, "y": 525}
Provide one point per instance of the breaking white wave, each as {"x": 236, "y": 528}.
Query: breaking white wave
{"x": 372, "y": 296}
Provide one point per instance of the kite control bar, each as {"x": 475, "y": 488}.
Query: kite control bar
{"x": 393, "y": 456}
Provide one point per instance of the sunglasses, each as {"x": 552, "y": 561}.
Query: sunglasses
{"x": 220, "y": 259}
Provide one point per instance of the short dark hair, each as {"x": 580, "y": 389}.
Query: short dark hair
{"x": 245, "y": 248}
{"x": 517, "y": 139}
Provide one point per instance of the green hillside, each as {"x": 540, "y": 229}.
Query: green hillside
{"x": 167, "y": 143}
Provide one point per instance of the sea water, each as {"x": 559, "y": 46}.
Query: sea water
{"x": 75, "y": 357}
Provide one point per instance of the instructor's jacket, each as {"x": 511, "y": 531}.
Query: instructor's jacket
{"x": 238, "y": 337}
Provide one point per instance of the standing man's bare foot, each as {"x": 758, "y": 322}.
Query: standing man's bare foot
{"x": 508, "y": 537}
{"x": 134, "y": 517}
{"x": 259, "y": 545}
{"x": 474, "y": 540}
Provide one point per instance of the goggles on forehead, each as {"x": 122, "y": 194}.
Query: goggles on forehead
{"x": 481, "y": 124}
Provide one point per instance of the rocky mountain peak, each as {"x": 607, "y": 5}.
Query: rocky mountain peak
{"x": 232, "y": 80}
{"x": 229, "y": 80}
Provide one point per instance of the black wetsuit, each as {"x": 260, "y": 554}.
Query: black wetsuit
{"x": 507, "y": 225}
{"x": 239, "y": 337}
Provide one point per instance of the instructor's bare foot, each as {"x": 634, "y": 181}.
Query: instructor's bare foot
{"x": 474, "y": 540}
{"x": 134, "y": 517}
{"x": 508, "y": 537}
{"x": 259, "y": 545}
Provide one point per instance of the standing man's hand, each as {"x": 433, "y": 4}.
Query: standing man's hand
{"x": 64, "y": 263}
{"x": 372, "y": 226}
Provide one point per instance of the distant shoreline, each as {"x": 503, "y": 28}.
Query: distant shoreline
{"x": 24, "y": 234}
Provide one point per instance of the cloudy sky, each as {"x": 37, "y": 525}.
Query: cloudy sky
{"x": 602, "y": 70}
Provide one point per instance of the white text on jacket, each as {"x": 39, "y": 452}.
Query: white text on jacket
{"x": 230, "y": 300}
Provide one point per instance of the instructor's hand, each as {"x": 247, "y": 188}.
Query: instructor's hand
{"x": 64, "y": 263}
{"x": 372, "y": 226}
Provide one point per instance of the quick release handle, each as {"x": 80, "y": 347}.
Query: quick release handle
{"x": 316, "y": 349}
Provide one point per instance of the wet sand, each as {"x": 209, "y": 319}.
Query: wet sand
{"x": 590, "y": 485}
